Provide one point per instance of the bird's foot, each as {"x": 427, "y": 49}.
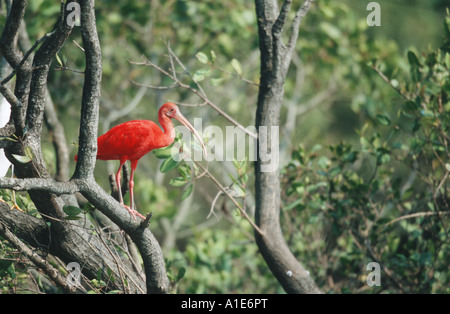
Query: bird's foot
{"x": 16, "y": 207}
{"x": 133, "y": 212}
{"x": 13, "y": 206}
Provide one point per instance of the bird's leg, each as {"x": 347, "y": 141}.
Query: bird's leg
{"x": 118, "y": 177}
{"x": 119, "y": 190}
{"x": 15, "y": 203}
{"x": 131, "y": 185}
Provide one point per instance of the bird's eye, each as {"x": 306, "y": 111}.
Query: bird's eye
{"x": 172, "y": 109}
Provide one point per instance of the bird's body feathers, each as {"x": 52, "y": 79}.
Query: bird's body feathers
{"x": 132, "y": 140}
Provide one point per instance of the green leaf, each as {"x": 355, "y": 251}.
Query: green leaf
{"x": 22, "y": 159}
{"x": 187, "y": 191}
{"x": 413, "y": 60}
{"x": 163, "y": 153}
{"x": 416, "y": 126}
{"x": 383, "y": 120}
{"x": 447, "y": 166}
{"x": 29, "y": 152}
{"x": 236, "y": 66}
{"x": 201, "y": 74}
{"x": 365, "y": 144}
{"x": 323, "y": 162}
{"x": 203, "y": 58}
{"x": 335, "y": 171}
{"x": 213, "y": 56}
{"x": 59, "y": 60}
{"x": 216, "y": 81}
{"x": 293, "y": 204}
{"x": 180, "y": 274}
{"x": 431, "y": 60}
{"x": 185, "y": 171}
{"x": 168, "y": 164}
{"x": 7, "y": 268}
{"x": 72, "y": 210}
{"x": 198, "y": 76}
{"x": 180, "y": 181}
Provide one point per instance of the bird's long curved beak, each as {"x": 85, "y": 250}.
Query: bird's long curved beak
{"x": 186, "y": 123}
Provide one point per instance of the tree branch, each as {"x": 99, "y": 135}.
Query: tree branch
{"x": 91, "y": 93}
{"x": 199, "y": 92}
{"x": 13, "y": 55}
{"x": 301, "y": 13}
{"x": 275, "y": 59}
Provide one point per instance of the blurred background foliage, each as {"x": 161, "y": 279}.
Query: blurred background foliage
{"x": 364, "y": 138}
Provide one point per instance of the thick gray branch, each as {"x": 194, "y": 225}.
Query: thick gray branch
{"x": 91, "y": 93}
{"x": 12, "y": 54}
{"x": 275, "y": 59}
{"x": 38, "y": 184}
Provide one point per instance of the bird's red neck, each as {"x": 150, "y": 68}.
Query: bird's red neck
{"x": 169, "y": 130}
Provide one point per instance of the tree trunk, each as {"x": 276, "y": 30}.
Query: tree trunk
{"x": 275, "y": 60}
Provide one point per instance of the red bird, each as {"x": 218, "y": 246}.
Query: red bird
{"x": 133, "y": 139}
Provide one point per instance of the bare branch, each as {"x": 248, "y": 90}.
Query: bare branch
{"x": 39, "y": 184}
{"x": 24, "y": 59}
{"x": 275, "y": 60}
{"x": 153, "y": 87}
{"x": 281, "y": 20}
{"x": 415, "y": 215}
{"x": 91, "y": 93}
{"x": 198, "y": 92}
{"x": 13, "y": 55}
{"x": 235, "y": 202}
{"x": 301, "y": 13}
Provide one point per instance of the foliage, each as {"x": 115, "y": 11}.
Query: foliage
{"x": 216, "y": 261}
{"x": 386, "y": 199}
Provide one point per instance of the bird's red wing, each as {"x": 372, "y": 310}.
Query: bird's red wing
{"x": 132, "y": 140}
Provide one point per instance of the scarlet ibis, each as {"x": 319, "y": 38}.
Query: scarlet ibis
{"x": 133, "y": 139}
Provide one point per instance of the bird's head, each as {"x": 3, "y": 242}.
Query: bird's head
{"x": 173, "y": 112}
{"x": 170, "y": 110}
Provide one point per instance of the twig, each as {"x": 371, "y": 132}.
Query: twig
{"x": 153, "y": 87}
{"x": 78, "y": 45}
{"x": 213, "y": 204}
{"x": 126, "y": 289}
{"x": 387, "y": 80}
{"x": 415, "y": 215}
{"x": 216, "y": 67}
{"x": 199, "y": 92}
{"x": 301, "y": 13}
{"x": 146, "y": 222}
{"x": 224, "y": 190}
{"x": 27, "y": 54}
{"x": 66, "y": 68}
